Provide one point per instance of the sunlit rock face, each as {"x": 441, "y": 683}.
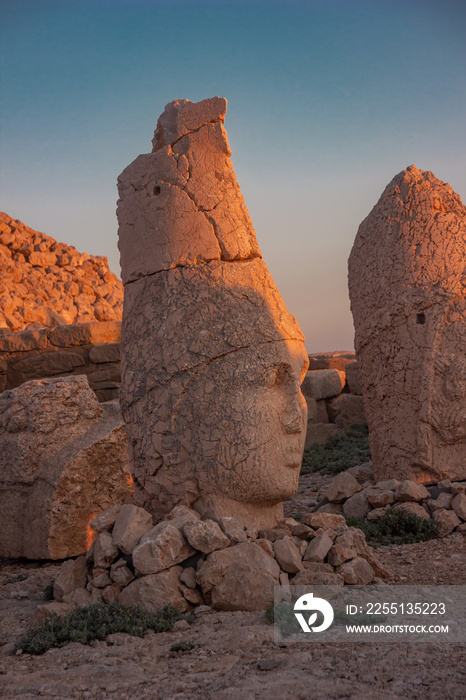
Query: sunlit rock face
{"x": 212, "y": 361}
{"x": 407, "y": 283}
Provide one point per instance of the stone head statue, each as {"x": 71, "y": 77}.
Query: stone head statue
{"x": 407, "y": 281}
{"x": 212, "y": 361}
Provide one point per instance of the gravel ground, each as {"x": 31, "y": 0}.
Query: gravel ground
{"x": 234, "y": 654}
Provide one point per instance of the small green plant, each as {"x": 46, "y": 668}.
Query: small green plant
{"x": 48, "y": 591}
{"x": 182, "y": 646}
{"x": 340, "y": 452}
{"x": 283, "y": 615}
{"x": 84, "y": 625}
{"x": 298, "y": 517}
{"x": 396, "y": 527}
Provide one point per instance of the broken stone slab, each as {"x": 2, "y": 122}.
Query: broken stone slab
{"x": 447, "y": 521}
{"x": 323, "y": 384}
{"x": 458, "y": 487}
{"x": 105, "y": 551}
{"x": 155, "y": 591}
{"x": 241, "y": 577}
{"x": 188, "y": 577}
{"x": 287, "y": 555}
{"x": 443, "y": 500}
{"x": 161, "y": 548}
{"x": 378, "y": 498}
{"x": 72, "y": 575}
{"x": 354, "y": 538}
{"x": 205, "y": 535}
{"x": 233, "y": 529}
{"x": 131, "y": 524}
{"x": 459, "y": 505}
{"x": 407, "y": 295}
{"x": 356, "y": 572}
{"x": 106, "y": 520}
{"x": 343, "y": 486}
{"x": 357, "y": 506}
{"x": 63, "y": 461}
{"x": 338, "y": 554}
{"x": 120, "y": 573}
{"x": 318, "y": 548}
{"x": 325, "y": 520}
{"x": 410, "y": 491}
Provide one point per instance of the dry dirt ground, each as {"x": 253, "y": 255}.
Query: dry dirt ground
{"x": 235, "y": 656}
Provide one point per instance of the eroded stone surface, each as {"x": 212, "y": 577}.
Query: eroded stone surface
{"x": 211, "y": 359}
{"x": 63, "y": 461}
{"x": 408, "y": 289}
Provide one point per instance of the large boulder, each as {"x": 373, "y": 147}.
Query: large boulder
{"x": 63, "y": 461}
{"x": 241, "y": 577}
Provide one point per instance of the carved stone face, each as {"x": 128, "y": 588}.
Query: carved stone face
{"x": 246, "y": 417}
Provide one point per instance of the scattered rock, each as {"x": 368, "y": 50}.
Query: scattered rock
{"x": 342, "y": 487}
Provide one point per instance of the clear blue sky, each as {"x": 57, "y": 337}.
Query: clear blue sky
{"x": 328, "y": 100}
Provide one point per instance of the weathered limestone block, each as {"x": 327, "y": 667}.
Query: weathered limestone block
{"x": 408, "y": 297}
{"x": 131, "y": 524}
{"x": 346, "y": 410}
{"x": 211, "y": 359}
{"x": 410, "y": 491}
{"x": 233, "y": 529}
{"x": 323, "y": 383}
{"x": 357, "y": 506}
{"x": 72, "y": 575}
{"x": 356, "y": 572}
{"x": 287, "y": 555}
{"x": 205, "y": 535}
{"x": 160, "y": 548}
{"x": 241, "y": 577}
{"x": 412, "y": 509}
{"x": 343, "y": 486}
{"x": 318, "y": 548}
{"x": 155, "y": 591}
{"x": 447, "y": 520}
{"x": 63, "y": 461}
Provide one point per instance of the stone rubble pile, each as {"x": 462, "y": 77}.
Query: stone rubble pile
{"x": 190, "y": 562}
{"x": 45, "y": 283}
{"x": 444, "y": 502}
{"x": 333, "y": 394}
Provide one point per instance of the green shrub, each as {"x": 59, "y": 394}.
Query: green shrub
{"x": 182, "y": 646}
{"x": 396, "y": 527}
{"x": 283, "y": 615}
{"x": 340, "y": 452}
{"x": 84, "y": 625}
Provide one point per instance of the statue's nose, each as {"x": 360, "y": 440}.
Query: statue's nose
{"x": 293, "y": 420}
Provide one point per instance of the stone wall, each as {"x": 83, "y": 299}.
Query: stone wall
{"x": 92, "y": 349}
{"x": 333, "y": 393}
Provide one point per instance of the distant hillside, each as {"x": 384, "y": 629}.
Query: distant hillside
{"x": 46, "y": 283}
